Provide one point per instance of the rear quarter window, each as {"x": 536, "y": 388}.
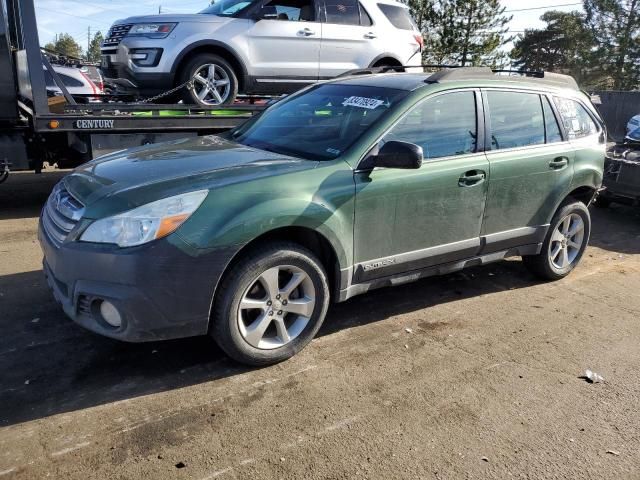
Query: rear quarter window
{"x": 398, "y": 16}
{"x": 577, "y": 121}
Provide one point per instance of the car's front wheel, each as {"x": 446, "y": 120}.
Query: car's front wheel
{"x": 564, "y": 244}
{"x": 213, "y": 81}
{"x": 271, "y": 304}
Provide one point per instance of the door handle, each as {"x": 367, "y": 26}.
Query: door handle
{"x": 559, "y": 163}
{"x": 472, "y": 178}
{"x": 307, "y": 32}
{"x": 370, "y": 35}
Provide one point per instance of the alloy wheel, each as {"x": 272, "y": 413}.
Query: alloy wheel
{"x": 211, "y": 84}
{"x": 567, "y": 241}
{"x": 276, "y": 307}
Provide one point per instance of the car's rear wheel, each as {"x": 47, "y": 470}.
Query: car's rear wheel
{"x": 271, "y": 305}
{"x": 564, "y": 244}
{"x": 214, "y": 83}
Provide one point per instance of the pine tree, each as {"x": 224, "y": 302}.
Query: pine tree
{"x": 615, "y": 25}
{"x": 468, "y": 32}
{"x": 565, "y": 45}
{"x": 93, "y": 54}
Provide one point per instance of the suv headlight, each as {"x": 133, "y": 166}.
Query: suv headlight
{"x": 146, "y": 223}
{"x": 151, "y": 30}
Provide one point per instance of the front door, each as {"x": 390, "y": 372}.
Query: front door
{"x": 349, "y": 38}
{"x": 411, "y": 219}
{"x": 531, "y": 168}
{"x": 284, "y": 44}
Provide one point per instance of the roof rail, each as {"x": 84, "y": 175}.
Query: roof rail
{"x": 458, "y": 72}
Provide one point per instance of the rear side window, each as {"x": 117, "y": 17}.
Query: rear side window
{"x": 365, "y": 19}
{"x": 551, "y": 122}
{"x": 70, "y": 81}
{"x": 443, "y": 126}
{"x": 516, "y": 119}
{"x": 342, "y": 12}
{"x": 66, "y": 79}
{"x": 291, "y": 10}
{"x": 398, "y": 16}
{"x": 577, "y": 121}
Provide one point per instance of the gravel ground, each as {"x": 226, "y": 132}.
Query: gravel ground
{"x": 472, "y": 375}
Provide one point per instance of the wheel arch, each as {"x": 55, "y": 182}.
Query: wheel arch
{"x": 214, "y": 47}
{"x": 304, "y": 236}
{"x": 385, "y": 59}
{"x": 584, "y": 194}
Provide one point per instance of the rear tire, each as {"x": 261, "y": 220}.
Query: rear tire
{"x": 565, "y": 243}
{"x": 271, "y": 304}
{"x": 215, "y": 83}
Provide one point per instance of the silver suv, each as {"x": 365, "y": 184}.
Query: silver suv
{"x": 257, "y": 46}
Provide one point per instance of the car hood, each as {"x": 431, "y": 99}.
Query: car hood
{"x": 189, "y": 17}
{"x": 140, "y": 175}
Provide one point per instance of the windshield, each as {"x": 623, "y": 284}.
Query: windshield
{"x": 226, "y": 8}
{"x": 320, "y": 124}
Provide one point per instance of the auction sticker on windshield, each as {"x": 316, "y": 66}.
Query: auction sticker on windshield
{"x": 362, "y": 102}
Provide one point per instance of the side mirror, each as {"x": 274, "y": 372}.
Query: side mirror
{"x": 395, "y": 154}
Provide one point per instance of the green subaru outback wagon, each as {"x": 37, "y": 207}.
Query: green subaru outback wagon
{"x": 367, "y": 181}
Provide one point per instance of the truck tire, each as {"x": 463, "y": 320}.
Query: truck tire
{"x": 214, "y": 81}
{"x": 564, "y": 244}
{"x": 271, "y": 304}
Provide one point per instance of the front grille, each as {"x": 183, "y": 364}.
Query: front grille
{"x": 116, "y": 34}
{"x": 60, "y": 215}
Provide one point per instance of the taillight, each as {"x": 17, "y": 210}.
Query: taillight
{"x": 420, "y": 40}
{"x": 93, "y": 85}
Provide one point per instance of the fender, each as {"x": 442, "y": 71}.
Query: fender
{"x": 254, "y": 222}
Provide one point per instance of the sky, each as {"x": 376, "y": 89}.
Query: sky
{"x": 77, "y": 17}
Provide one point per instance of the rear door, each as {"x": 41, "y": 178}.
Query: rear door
{"x": 531, "y": 167}
{"x": 411, "y": 219}
{"x": 284, "y": 44}
{"x": 349, "y": 38}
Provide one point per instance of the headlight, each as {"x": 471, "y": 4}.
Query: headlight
{"x": 152, "y": 30}
{"x": 148, "y": 222}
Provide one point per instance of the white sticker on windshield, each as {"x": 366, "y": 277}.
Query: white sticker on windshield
{"x": 362, "y": 102}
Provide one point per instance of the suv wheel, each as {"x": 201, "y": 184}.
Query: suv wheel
{"x": 271, "y": 305}
{"x": 565, "y": 243}
{"x": 214, "y": 81}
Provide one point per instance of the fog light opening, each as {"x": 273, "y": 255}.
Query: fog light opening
{"x": 110, "y": 314}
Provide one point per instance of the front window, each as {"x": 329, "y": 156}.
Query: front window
{"x": 227, "y": 8}
{"x": 320, "y": 124}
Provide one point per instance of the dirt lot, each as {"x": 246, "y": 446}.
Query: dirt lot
{"x": 485, "y": 384}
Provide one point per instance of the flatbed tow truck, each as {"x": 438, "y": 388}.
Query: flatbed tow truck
{"x": 36, "y": 128}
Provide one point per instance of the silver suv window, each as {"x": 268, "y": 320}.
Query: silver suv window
{"x": 227, "y": 8}
{"x": 398, "y": 16}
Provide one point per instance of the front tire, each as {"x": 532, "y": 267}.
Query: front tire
{"x": 564, "y": 244}
{"x": 270, "y": 305}
{"x": 214, "y": 83}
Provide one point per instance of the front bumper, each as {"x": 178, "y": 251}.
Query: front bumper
{"x": 119, "y": 69}
{"x": 162, "y": 290}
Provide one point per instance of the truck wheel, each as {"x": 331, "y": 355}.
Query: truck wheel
{"x": 271, "y": 305}
{"x": 214, "y": 81}
{"x": 564, "y": 244}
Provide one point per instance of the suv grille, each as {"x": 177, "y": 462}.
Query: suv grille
{"x": 116, "y": 34}
{"x": 60, "y": 215}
